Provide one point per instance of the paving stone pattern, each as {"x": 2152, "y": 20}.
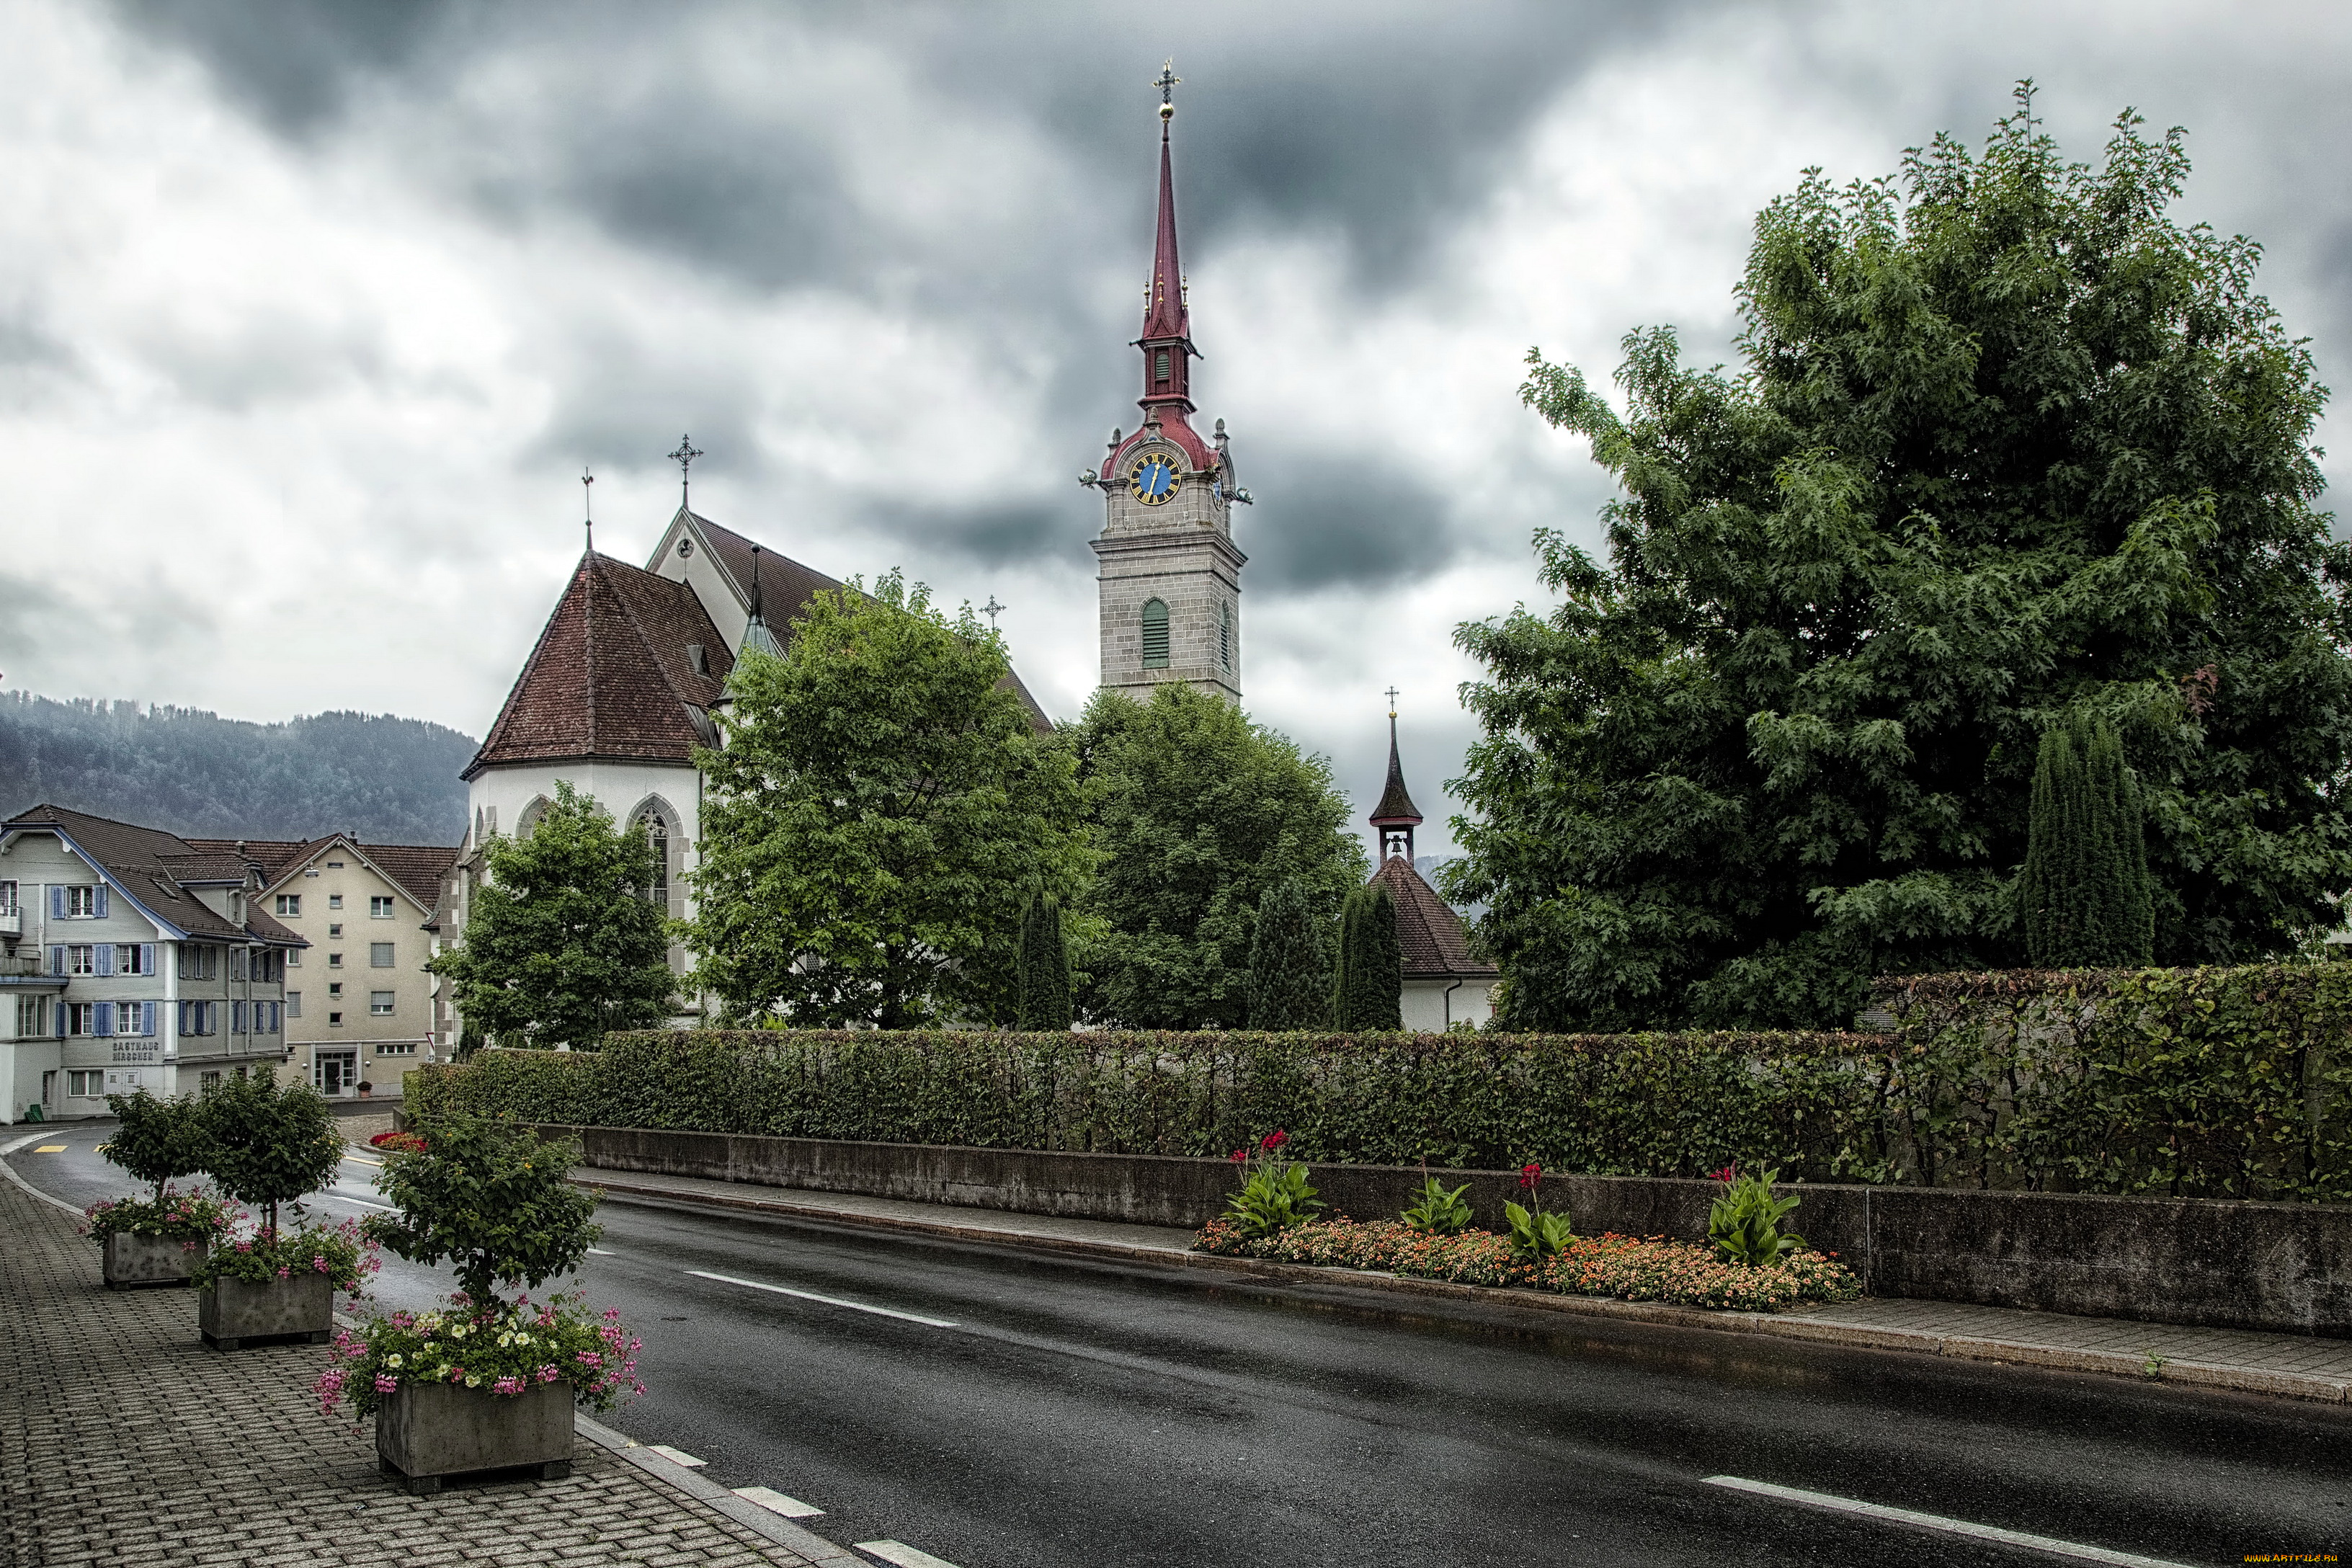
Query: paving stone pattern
{"x": 123, "y": 1441}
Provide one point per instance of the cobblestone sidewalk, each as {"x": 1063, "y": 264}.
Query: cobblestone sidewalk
{"x": 123, "y": 1441}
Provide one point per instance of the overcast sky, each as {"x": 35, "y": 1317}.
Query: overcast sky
{"x": 312, "y": 313}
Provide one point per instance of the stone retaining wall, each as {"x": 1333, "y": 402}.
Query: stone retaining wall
{"x": 2215, "y": 1264}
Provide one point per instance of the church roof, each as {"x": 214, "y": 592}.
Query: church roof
{"x": 1396, "y": 808}
{"x": 1165, "y": 313}
{"x": 613, "y": 674}
{"x": 1434, "y": 942}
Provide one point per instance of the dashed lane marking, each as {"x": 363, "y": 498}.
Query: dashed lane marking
{"x": 363, "y": 1160}
{"x": 777, "y": 1503}
{"x": 828, "y": 1301}
{"x": 600, "y": 1252}
{"x": 2056, "y": 1548}
{"x": 50, "y": 1149}
{"x": 676, "y": 1455}
{"x": 904, "y": 1556}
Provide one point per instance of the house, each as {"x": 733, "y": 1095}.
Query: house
{"x": 359, "y": 1003}
{"x": 1444, "y": 984}
{"x": 129, "y": 958}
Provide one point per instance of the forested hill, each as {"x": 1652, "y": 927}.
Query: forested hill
{"x": 391, "y": 781}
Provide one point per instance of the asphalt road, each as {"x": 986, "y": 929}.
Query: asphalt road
{"x": 995, "y": 1408}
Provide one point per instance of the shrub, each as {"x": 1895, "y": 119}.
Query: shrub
{"x": 2212, "y": 1082}
{"x": 269, "y": 1143}
{"x": 158, "y": 1140}
{"x": 342, "y": 1252}
{"x": 491, "y": 1197}
{"x": 504, "y": 1349}
{"x": 190, "y": 1218}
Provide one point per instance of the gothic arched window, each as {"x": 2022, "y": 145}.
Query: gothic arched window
{"x": 656, "y": 829}
{"x": 527, "y": 822}
{"x": 1155, "y": 634}
{"x": 1224, "y": 637}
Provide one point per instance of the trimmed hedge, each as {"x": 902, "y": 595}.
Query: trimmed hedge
{"x": 2224, "y": 1083}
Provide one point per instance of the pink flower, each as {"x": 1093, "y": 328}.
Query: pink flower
{"x": 507, "y": 1386}
{"x": 385, "y": 1383}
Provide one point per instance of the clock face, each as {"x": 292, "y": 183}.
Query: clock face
{"x": 1154, "y": 480}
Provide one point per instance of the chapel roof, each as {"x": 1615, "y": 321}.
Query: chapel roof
{"x": 1396, "y": 808}
{"x": 613, "y": 674}
{"x": 1434, "y": 942}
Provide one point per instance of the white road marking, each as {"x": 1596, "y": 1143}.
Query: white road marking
{"x": 2075, "y": 1550}
{"x": 904, "y": 1556}
{"x": 676, "y": 1455}
{"x": 828, "y": 1301}
{"x": 362, "y": 1202}
{"x": 600, "y": 1252}
{"x": 777, "y": 1503}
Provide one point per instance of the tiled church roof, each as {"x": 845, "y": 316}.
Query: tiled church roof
{"x": 1432, "y": 937}
{"x": 612, "y": 676}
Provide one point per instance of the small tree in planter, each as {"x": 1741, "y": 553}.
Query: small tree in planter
{"x": 270, "y": 1146}
{"x": 155, "y": 1241}
{"x": 487, "y": 1383}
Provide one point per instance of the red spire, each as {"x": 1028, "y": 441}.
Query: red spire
{"x": 1164, "y": 315}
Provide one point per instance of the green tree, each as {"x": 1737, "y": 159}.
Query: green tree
{"x": 157, "y": 1139}
{"x": 1044, "y": 967}
{"x": 1290, "y": 961}
{"x": 269, "y": 1143}
{"x": 1368, "y": 983}
{"x": 1197, "y": 812}
{"x": 881, "y": 808}
{"x": 561, "y": 944}
{"x": 2083, "y": 897}
{"x": 2010, "y": 444}
{"x": 491, "y": 1197}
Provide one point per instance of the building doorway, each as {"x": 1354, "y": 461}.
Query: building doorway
{"x": 334, "y": 1072}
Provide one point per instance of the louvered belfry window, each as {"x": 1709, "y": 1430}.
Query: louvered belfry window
{"x": 1155, "y": 634}
{"x": 1224, "y": 637}
{"x": 1159, "y": 365}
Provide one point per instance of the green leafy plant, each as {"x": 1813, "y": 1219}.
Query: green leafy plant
{"x": 1275, "y": 1191}
{"x": 1535, "y": 1235}
{"x": 190, "y": 1218}
{"x": 502, "y": 1349}
{"x": 342, "y": 1252}
{"x": 158, "y": 1140}
{"x": 1744, "y": 1221}
{"x": 1439, "y": 1212}
{"x": 267, "y": 1143}
{"x": 490, "y": 1196}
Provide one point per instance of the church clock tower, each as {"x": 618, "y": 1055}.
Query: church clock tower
{"x": 1170, "y": 578}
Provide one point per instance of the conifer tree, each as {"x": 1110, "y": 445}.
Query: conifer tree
{"x": 1044, "y": 967}
{"x": 2085, "y": 896}
{"x": 1368, "y": 989}
{"x": 1289, "y": 985}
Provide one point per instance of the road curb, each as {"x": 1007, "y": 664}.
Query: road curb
{"x": 710, "y": 1493}
{"x": 1858, "y": 1336}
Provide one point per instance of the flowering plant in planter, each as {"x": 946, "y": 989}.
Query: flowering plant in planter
{"x": 158, "y": 1140}
{"x": 398, "y": 1142}
{"x": 190, "y": 1218}
{"x": 343, "y": 1253}
{"x": 504, "y": 1349}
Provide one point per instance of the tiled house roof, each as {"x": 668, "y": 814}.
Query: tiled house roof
{"x": 612, "y": 675}
{"x": 1433, "y": 940}
{"x": 157, "y": 870}
{"x": 417, "y": 867}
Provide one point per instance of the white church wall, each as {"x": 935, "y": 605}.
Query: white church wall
{"x": 1428, "y": 1009}
{"x": 619, "y": 787}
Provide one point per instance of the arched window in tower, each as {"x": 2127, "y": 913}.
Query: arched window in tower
{"x": 1224, "y": 637}
{"x": 1155, "y": 634}
{"x": 1159, "y": 365}
{"x": 657, "y": 832}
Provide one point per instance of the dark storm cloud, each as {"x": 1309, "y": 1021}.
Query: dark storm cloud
{"x": 293, "y": 63}
{"x": 1329, "y": 519}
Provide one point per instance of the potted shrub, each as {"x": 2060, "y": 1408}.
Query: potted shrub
{"x": 489, "y": 1382}
{"x": 270, "y": 1145}
{"x": 156, "y": 1240}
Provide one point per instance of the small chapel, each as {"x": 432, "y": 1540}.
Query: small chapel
{"x": 1444, "y": 984}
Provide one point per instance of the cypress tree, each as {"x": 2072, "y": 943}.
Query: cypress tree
{"x": 1343, "y": 962}
{"x": 1043, "y": 968}
{"x": 2086, "y": 897}
{"x": 1289, "y": 970}
{"x": 1378, "y": 980}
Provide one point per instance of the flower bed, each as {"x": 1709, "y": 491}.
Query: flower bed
{"x": 191, "y": 1219}
{"x": 504, "y": 1352}
{"x": 398, "y": 1142}
{"x": 1628, "y": 1267}
{"x": 340, "y": 1252}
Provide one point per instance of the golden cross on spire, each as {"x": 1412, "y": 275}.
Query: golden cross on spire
{"x": 1167, "y": 82}
{"x": 1392, "y": 697}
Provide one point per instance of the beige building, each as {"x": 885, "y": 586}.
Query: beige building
{"x": 359, "y": 1005}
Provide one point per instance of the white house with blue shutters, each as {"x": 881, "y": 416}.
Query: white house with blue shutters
{"x": 129, "y": 959}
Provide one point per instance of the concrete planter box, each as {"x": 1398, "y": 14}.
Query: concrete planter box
{"x": 132, "y": 1261}
{"x": 426, "y": 1434}
{"x": 234, "y": 1314}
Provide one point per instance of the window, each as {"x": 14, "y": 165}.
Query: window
{"x": 134, "y": 958}
{"x": 32, "y": 1018}
{"x": 293, "y": 1004}
{"x": 240, "y": 962}
{"x": 293, "y": 958}
{"x": 236, "y": 1018}
{"x": 334, "y": 900}
{"x": 378, "y": 956}
{"x": 135, "y": 1018}
{"x": 334, "y": 961}
{"x": 199, "y": 960}
{"x": 336, "y": 929}
{"x": 1155, "y": 634}
{"x": 1224, "y": 637}
{"x": 82, "y": 1017}
{"x": 268, "y": 1017}
{"x": 656, "y": 831}
{"x": 379, "y": 908}
{"x": 8, "y": 898}
{"x": 290, "y": 903}
{"x": 80, "y": 902}
{"x": 199, "y": 1018}
{"x": 395, "y": 1048}
{"x": 334, "y": 1020}
{"x": 85, "y": 1085}
{"x": 335, "y": 989}
{"x": 336, "y": 866}
{"x": 1159, "y": 365}
{"x": 379, "y": 1004}
{"x": 81, "y": 960}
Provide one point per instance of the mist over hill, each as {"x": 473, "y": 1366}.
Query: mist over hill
{"x": 387, "y": 779}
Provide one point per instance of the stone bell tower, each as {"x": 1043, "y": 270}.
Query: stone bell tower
{"x": 1170, "y": 577}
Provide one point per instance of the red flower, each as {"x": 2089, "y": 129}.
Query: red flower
{"x": 1274, "y": 1140}
{"x": 1238, "y": 1155}
{"x": 1725, "y": 1174}
{"x": 1528, "y": 1175}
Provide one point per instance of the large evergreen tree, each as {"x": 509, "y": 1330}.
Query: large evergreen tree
{"x": 2009, "y": 443}
{"x": 881, "y": 809}
{"x": 1290, "y": 963}
{"x": 2084, "y": 898}
{"x": 1368, "y": 982}
{"x": 1198, "y": 813}
{"x": 1044, "y": 967}
{"x": 561, "y": 944}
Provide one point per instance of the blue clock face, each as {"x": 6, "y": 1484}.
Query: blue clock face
{"x": 1153, "y": 479}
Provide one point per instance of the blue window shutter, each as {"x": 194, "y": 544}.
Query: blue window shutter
{"x": 150, "y": 1019}
{"x": 147, "y": 961}
{"x": 56, "y": 961}
{"x": 103, "y": 956}
{"x": 56, "y": 900}
{"x": 101, "y": 1020}
{"x": 100, "y": 896}
{"x": 59, "y": 1010}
